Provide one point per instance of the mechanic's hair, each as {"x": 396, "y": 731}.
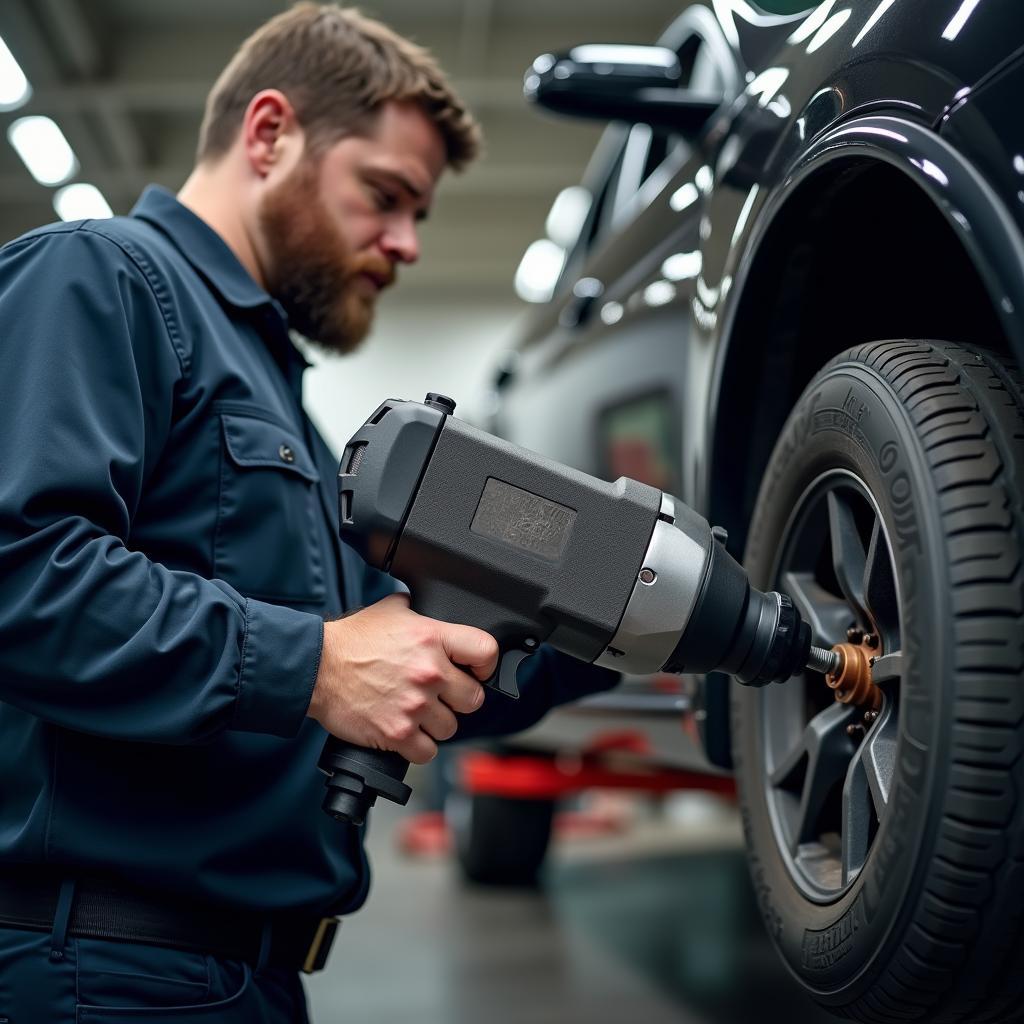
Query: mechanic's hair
{"x": 337, "y": 67}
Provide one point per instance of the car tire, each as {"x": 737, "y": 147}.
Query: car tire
{"x": 887, "y": 853}
{"x": 500, "y": 840}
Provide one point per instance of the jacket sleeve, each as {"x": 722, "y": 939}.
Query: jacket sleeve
{"x": 93, "y": 635}
{"x": 546, "y": 680}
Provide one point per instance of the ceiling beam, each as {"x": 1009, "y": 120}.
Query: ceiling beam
{"x": 530, "y": 180}
{"x": 44, "y": 65}
{"x": 68, "y": 27}
{"x": 188, "y": 96}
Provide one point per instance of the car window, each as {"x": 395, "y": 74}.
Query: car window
{"x": 645, "y": 151}
{"x": 632, "y": 163}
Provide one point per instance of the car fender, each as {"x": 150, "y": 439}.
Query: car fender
{"x": 975, "y": 212}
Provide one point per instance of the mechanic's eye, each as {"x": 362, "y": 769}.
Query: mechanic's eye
{"x": 385, "y": 200}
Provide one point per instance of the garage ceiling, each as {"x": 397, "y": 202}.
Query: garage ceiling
{"x": 126, "y": 81}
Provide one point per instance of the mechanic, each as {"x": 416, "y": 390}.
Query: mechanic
{"x": 180, "y": 622}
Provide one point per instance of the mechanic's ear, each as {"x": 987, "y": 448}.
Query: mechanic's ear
{"x": 270, "y": 132}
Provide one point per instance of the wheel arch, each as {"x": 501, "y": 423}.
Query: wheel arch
{"x": 881, "y": 230}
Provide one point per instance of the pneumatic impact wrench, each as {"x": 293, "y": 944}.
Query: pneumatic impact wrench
{"x": 491, "y": 535}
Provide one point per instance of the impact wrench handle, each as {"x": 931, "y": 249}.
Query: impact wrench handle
{"x": 356, "y": 776}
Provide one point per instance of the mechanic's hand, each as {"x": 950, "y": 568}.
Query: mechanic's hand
{"x": 389, "y": 679}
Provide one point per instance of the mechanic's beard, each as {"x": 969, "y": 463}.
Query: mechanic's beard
{"x": 311, "y": 269}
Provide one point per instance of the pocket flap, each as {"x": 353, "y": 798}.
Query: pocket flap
{"x": 257, "y": 442}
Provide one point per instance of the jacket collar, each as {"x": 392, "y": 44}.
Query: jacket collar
{"x": 203, "y": 248}
{"x": 214, "y": 261}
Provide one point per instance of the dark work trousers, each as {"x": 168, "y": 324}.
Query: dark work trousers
{"x": 59, "y": 979}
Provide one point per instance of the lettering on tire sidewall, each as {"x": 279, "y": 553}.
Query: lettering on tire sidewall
{"x": 850, "y": 419}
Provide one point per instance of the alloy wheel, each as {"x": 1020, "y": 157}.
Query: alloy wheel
{"x": 830, "y": 765}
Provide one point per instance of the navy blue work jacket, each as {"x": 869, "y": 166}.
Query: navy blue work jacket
{"x": 168, "y": 553}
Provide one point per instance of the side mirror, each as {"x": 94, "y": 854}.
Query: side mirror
{"x": 609, "y": 82}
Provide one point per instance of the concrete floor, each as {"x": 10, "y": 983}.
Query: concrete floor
{"x": 657, "y": 925}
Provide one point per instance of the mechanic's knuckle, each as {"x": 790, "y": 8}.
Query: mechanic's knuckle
{"x": 424, "y": 636}
{"x": 415, "y": 703}
{"x": 425, "y": 674}
{"x": 401, "y": 731}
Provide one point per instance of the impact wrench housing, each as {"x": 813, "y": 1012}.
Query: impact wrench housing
{"x": 488, "y": 534}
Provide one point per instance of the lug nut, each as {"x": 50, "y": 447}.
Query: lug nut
{"x": 851, "y": 680}
{"x": 855, "y": 634}
{"x": 870, "y": 640}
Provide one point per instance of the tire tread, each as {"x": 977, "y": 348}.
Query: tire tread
{"x": 967, "y": 409}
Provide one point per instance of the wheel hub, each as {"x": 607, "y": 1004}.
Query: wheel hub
{"x": 851, "y": 681}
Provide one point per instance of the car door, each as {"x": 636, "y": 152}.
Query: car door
{"x": 599, "y": 382}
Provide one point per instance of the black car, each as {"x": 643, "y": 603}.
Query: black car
{"x": 791, "y": 291}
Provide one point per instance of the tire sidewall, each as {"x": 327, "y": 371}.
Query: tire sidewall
{"x": 849, "y": 418}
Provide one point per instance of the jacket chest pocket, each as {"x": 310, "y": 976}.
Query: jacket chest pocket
{"x": 266, "y": 543}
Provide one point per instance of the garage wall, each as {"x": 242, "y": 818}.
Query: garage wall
{"x": 415, "y": 348}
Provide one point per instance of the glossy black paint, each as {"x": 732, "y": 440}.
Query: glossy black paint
{"x": 863, "y": 178}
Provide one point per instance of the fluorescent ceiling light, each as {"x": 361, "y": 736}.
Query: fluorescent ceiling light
{"x": 767, "y": 84}
{"x": 829, "y": 29}
{"x": 684, "y": 196}
{"x": 659, "y": 293}
{"x": 14, "y": 87}
{"x": 568, "y": 215}
{"x": 81, "y": 202}
{"x": 43, "y": 148}
{"x": 611, "y": 312}
{"x": 616, "y": 53}
{"x": 741, "y": 220}
{"x": 870, "y": 23}
{"x": 539, "y": 270}
{"x": 681, "y": 266}
{"x": 952, "y": 30}
{"x": 813, "y": 22}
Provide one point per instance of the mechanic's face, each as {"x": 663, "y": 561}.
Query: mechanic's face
{"x": 337, "y": 227}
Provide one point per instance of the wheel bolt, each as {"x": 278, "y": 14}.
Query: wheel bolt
{"x": 870, "y": 640}
{"x": 855, "y": 634}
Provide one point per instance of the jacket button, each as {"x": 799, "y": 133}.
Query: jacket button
{"x": 287, "y": 455}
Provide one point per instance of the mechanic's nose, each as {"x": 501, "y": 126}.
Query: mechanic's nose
{"x": 401, "y": 242}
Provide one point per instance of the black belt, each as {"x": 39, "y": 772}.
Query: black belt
{"x": 104, "y": 908}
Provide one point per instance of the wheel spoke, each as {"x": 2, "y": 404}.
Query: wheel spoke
{"x": 827, "y": 615}
{"x": 848, "y": 558}
{"x": 866, "y": 790}
{"x": 878, "y": 755}
{"x": 857, "y": 813}
{"x": 814, "y": 766}
{"x": 887, "y": 668}
{"x": 879, "y": 589}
